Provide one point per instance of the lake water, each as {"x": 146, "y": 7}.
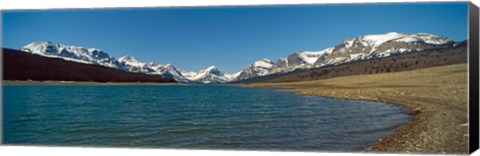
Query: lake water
{"x": 193, "y": 117}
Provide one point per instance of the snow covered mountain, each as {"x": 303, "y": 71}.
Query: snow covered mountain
{"x": 382, "y": 45}
{"x": 299, "y": 60}
{"x": 257, "y": 68}
{"x": 133, "y": 65}
{"x": 168, "y": 71}
{"x": 72, "y": 53}
{"x": 126, "y": 63}
{"x": 360, "y": 48}
{"x": 210, "y": 75}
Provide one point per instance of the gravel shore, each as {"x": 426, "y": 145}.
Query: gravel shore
{"x": 437, "y": 97}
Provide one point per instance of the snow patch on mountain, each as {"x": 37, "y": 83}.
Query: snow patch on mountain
{"x": 312, "y": 57}
{"x": 378, "y": 39}
{"x": 231, "y": 77}
{"x": 426, "y": 38}
{"x": 257, "y": 68}
{"x": 188, "y": 74}
{"x": 263, "y": 63}
{"x": 130, "y": 60}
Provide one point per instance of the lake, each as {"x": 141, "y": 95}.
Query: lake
{"x": 192, "y": 117}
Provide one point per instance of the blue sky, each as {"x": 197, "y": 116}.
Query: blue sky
{"x": 230, "y": 38}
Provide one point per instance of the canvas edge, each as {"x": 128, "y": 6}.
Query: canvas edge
{"x": 473, "y": 78}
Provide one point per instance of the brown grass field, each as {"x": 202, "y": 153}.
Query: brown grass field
{"x": 438, "y": 96}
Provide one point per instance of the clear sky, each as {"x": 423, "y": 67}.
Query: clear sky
{"x": 193, "y": 38}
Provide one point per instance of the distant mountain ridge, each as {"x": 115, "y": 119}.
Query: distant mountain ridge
{"x": 383, "y": 45}
{"x": 19, "y": 65}
{"x": 125, "y": 63}
{"x": 360, "y": 48}
{"x": 72, "y": 53}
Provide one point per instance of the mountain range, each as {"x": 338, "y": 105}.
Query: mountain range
{"x": 22, "y": 66}
{"x": 360, "y": 48}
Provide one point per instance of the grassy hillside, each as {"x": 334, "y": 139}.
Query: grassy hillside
{"x": 401, "y": 62}
{"x": 18, "y": 65}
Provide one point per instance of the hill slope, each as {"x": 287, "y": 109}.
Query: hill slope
{"x": 19, "y": 65}
{"x": 452, "y": 54}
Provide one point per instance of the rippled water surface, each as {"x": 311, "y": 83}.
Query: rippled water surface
{"x": 200, "y": 117}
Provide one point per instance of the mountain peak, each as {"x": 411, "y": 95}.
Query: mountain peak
{"x": 130, "y": 61}
{"x": 265, "y": 60}
{"x": 45, "y": 43}
{"x": 377, "y": 39}
{"x": 209, "y": 75}
{"x": 168, "y": 65}
{"x": 393, "y": 33}
{"x": 211, "y": 68}
{"x": 38, "y": 45}
{"x": 128, "y": 58}
{"x": 263, "y": 63}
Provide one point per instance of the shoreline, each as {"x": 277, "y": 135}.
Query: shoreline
{"x": 382, "y": 141}
{"x": 440, "y": 122}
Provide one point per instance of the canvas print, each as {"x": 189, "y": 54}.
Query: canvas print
{"x": 379, "y": 77}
